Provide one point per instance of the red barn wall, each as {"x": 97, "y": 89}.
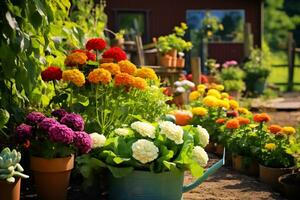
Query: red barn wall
{"x": 165, "y": 14}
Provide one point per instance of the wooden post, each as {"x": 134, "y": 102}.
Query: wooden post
{"x": 196, "y": 69}
{"x": 140, "y": 50}
{"x": 248, "y": 38}
{"x": 291, "y": 61}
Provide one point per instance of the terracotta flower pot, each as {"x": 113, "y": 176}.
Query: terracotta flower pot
{"x": 291, "y": 185}
{"x": 212, "y": 79}
{"x": 219, "y": 150}
{"x": 180, "y": 62}
{"x": 174, "y": 62}
{"x": 52, "y": 176}
{"x": 245, "y": 165}
{"x": 165, "y": 61}
{"x": 10, "y": 191}
{"x": 210, "y": 148}
{"x": 270, "y": 175}
{"x": 172, "y": 53}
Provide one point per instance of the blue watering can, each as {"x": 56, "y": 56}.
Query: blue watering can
{"x": 143, "y": 185}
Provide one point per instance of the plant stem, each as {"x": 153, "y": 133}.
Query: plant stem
{"x": 97, "y": 112}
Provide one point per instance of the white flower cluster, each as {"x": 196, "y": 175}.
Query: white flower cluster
{"x": 122, "y": 131}
{"x": 98, "y": 140}
{"x": 144, "y": 128}
{"x": 144, "y": 151}
{"x": 172, "y": 131}
{"x": 200, "y": 156}
{"x": 183, "y": 86}
{"x": 203, "y": 136}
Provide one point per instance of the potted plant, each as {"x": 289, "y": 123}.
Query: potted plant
{"x": 150, "y": 159}
{"x": 291, "y": 181}
{"x": 10, "y": 174}
{"x": 164, "y": 47}
{"x": 257, "y": 70}
{"x": 274, "y": 160}
{"x": 52, "y": 143}
{"x": 181, "y": 93}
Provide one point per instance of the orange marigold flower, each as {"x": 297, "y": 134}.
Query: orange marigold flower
{"x": 243, "y": 120}
{"x": 263, "y": 117}
{"x": 76, "y": 59}
{"x": 221, "y": 121}
{"x": 127, "y": 67}
{"x": 146, "y": 73}
{"x": 111, "y": 67}
{"x": 75, "y": 76}
{"x": 232, "y": 124}
{"x": 124, "y": 79}
{"x": 139, "y": 83}
{"x": 274, "y": 128}
{"x": 99, "y": 75}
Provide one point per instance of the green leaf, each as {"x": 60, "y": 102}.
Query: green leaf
{"x": 196, "y": 169}
{"x": 4, "y": 117}
{"x": 119, "y": 172}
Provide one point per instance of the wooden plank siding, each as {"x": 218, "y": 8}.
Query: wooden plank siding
{"x": 165, "y": 14}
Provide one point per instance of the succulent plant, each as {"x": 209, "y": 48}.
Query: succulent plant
{"x": 9, "y": 165}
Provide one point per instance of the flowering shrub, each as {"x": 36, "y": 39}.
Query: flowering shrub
{"x": 157, "y": 147}
{"x": 53, "y": 138}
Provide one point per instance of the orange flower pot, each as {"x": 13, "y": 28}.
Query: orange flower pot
{"x": 165, "y": 61}
{"x": 10, "y": 191}
{"x": 172, "y": 53}
{"x": 249, "y": 168}
{"x": 52, "y": 176}
{"x": 174, "y": 62}
{"x": 180, "y": 62}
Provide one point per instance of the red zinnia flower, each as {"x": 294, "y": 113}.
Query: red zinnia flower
{"x": 91, "y": 56}
{"x": 51, "y": 73}
{"x": 95, "y": 44}
{"x": 116, "y": 53}
{"x": 232, "y": 113}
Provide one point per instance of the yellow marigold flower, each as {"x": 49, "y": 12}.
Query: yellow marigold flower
{"x": 219, "y": 87}
{"x": 146, "y": 73}
{"x": 199, "y": 111}
{"x": 194, "y": 95}
{"x": 210, "y": 101}
{"x": 111, "y": 67}
{"x": 233, "y": 104}
{"x": 224, "y": 95}
{"x": 244, "y": 111}
{"x": 253, "y": 125}
{"x": 127, "y": 67}
{"x": 139, "y": 83}
{"x": 270, "y": 146}
{"x": 75, "y": 59}
{"x": 214, "y": 92}
{"x": 223, "y": 104}
{"x": 201, "y": 87}
{"x": 99, "y": 75}
{"x": 288, "y": 130}
{"x": 75, "y": 76}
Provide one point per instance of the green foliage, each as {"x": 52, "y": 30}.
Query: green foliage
{"x": 232, "y": 79}
{"x": 9, "y": 165}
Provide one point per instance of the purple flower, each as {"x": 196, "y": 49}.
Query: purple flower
{"x": 34, "y": 118}
{"x": 46, "y": 124}
{"x": 74, "y": 121}
{"x": 61, "y": 133}
{"x": 83, "y": 141}
{"x": 23, "y": 131}
{"x": 59, "y": 113}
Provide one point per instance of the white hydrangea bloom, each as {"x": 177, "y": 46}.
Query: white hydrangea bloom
{"x": 98, "y": 140}
{"x": 144, "y": 151}
{"x": 200, "y": 156}
{"x": 180, "y": 90}
{"x": 178, "y": 83}
{"x": 172, "y": 131}
{"x": 203, "y": 136}
{"x": 188, "y": 83}
{"x": 144, "y": 128}
{"x": 122, "y": 131}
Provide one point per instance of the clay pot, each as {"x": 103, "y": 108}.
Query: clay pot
{"x": 219, "y": 150}
{"x": 10, "y": 191}
{"x": 212, "y": 79}
{"x": 210, "y": 148}
{"x": 174, "y": 62}
{"x": 291, "y": 185}
{"x": 180, "y": 62}
{"x": 52, "y": 176}
{"x": 106, "y": 60}
{"x": 172, "y": 53}
{"x": 245, "y": 165}
{"x": 270, "y": 175}
{"x": 165, "y": 61}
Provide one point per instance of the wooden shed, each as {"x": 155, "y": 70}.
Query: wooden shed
{"x": 153, "y": 18}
